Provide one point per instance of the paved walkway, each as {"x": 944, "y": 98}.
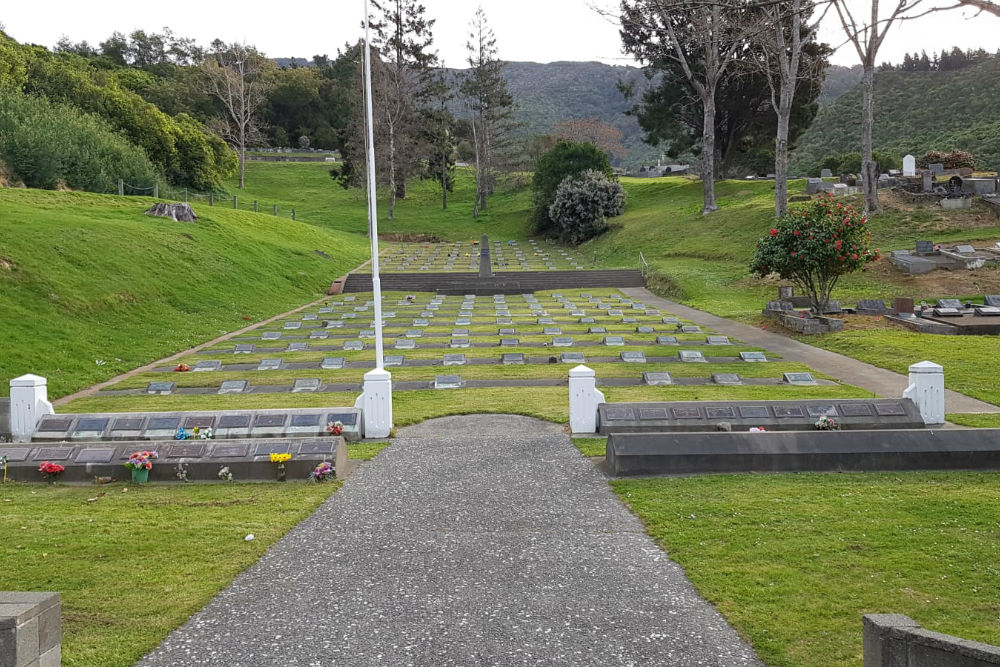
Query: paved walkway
{"x": 484, "y": 540}
{"x": 877, "y": 380}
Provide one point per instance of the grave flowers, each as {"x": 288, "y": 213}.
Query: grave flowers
{"x": 826, "y": 423}
{"x": 140, "y": 463}
{"x": 49, "y": 469}
{"x": 335, "y": 428}
{"x": 181, "y": 368}
{"x": 280, "y": 460}
{"x": 322, "y": 472}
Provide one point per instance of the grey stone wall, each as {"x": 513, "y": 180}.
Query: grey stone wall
{"x": 30, "y": 629}
{"x": 895, "y": 640}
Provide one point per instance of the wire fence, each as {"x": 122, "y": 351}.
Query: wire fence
{"x": 156, "y": 191}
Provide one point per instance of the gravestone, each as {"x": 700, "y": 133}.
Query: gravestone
{"x": 909, "y": 165}
{"x": 447, "y": 381}
{"x": 354, "y": 345}
{"x": 690, "y": 328}
{"x": 335, "y": 324}
{"x": 753, "y": 357}
{"x": 691, "y": 356}
{"x": 244, "y": 348}
{"x": 297, "y": 347}
{"x": 231, "y": 387}
{"x": 644, "y": 330}
{"x": 597, "y": 330}
{"x": 571, "y": 357}
{"x": 459, "y": 342}
{"x": 987, "y": 311}
{"x": 485, "y": 267}
{"x": 271, "y": 335}
{"x": 717, "y": 340}
{"x": 728, "y": 379}
{"x": 870, "y": 307}
{"x": 814, "y": 186}
{"x": 587, "y": 320}
{"x": 614, "y": 340}
{"x": 992, "y": 300}
{"x": 318, "y": 335}
{"x": 393, "y": 360}
{"x": 670, "y": 320}
{"x": 512, "y": 358}
{"x": 562, "y": 341}
{"x": 160, "y": 388}
{"x": 965, "y": 250}
{"x": 949, "y": 303}
{"x": 903, "y": 305}
{"x": 657, "y": 378}
{"x": 454, "y": 360}
{"x": 666, "y": 340}
{"x": 332, "y": 363}
{"x": 269, "y": 365}
{"x": 936, "y": 168}
{"x": 207, "y": 366}
{"x": 800, "y": 379}
{"x": 947, "y": 312}
{"x": 926, "y": 182}
{"x": 925, "y": 247}
{"x": 826, "y": 173}
{"x": 550, "y": 331}
{"x": 405, "y": 344}
{"x": 305, "y": 384}
{"x": 633, "y": 357}
{"x": 295, "y": 324}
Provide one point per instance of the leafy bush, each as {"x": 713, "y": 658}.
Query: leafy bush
{"x": 583, "y": 202}
{"x": 45, "y": 144}
{"x": 814, "y": 246}
{"x": 567, "y": 158}
{"x": 850, "y": 163}
{"x": 950, "y": 160}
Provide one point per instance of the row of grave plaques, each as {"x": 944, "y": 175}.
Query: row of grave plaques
{"x": 192, "y": 449}
{"x": 770, "y": 415}
{"x": 224, "y": 424}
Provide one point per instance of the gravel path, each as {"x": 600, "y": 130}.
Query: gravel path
{"x": 483, "y": 540}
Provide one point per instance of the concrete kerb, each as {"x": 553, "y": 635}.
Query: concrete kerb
{"x": 879, "y": 381}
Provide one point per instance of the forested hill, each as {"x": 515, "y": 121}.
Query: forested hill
{"x": 915, "y": 112}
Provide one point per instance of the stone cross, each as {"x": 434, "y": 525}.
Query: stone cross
{"x": 485, "y": 268}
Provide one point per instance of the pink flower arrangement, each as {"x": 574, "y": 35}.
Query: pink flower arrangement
{"x": 141, "y": 460}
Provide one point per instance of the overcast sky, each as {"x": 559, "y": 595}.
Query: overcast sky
{"x": 527, "y": 30}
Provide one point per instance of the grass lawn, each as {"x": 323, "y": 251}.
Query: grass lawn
{"x": 591, "y": 446}
{"x": 91, "y": 287}
{"x": 793, "y": 561}
{"x": 132, "y": 566}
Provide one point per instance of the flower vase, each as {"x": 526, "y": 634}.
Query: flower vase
{"x": 282, "y": 473}
{"x": 140, "y": 475}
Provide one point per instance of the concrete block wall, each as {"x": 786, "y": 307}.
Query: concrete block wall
{"x": 30, "y": 629}
{"x": 895, "y": 640}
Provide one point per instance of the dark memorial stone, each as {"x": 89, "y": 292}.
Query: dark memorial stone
{"x": 345, "y": 418}
{"x": 234, "y": 421}
{"x": 720, "y": 413}
{"x": 572, "y": 357}
{"x": 393, "y": 360}
{"x": 103, "y": 455}
{"x": 199, "y": 422}
{"x": 305, "y": 420}
{"x": 512, "y": 358}
{"x": 317, "y": 447}
{"x": 925, "y": 247}
{"x": 753, "y": 356}
{"x": 691, "y": 328}
{"x": 666, "y": 340}
{"x": 485, "y": 268}
{"x": 15, "y": 454}
{"x": 128, "y": 424}
{"x": 53, "y": 453}
{"x": 160, "y": 387}
{"x": 856, "y": 410}
{"x": 163, "y": 424}
{"x": 650, "y": 414}
{"x": 788, "y": 411}
{"x": 820, "y": 410}
{"x": 278, "y": 447}
{"x": 890, "y": 409}
{"x": 754, "y": 412}
{"x": 233, "y": 386}
{"x": 949, "y": 303}
{"x": 726, "y": 378}
{"x": 213, "y": 365}
{"x": 656, "y": 378}
{"x": 801, "y": 379}
{"x": 230, "y": 451}
{"x": 686, "y": 413}
{"x": 447, "y": 381}
{"x": 55, "y": 425}
{"x": 185, "y": 451}
{"x": 269, "y": 420}
{"x": 618, "y": 413}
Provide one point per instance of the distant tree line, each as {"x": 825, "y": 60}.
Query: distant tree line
{"x": 946, "y": 61}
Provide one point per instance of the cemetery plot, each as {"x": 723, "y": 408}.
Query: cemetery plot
{"x": 513, "y": 340}
{"x": 464, "y": 256}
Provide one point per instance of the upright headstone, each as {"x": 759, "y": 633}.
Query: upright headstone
{"x": 927, "y": 182}
{"x": 826, "y": 173}
{"x": 485, "y": 268}
{"x": 903, "y": 305}
{"x": 909, "y": 165}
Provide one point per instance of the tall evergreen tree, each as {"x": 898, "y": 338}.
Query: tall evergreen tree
{"x": 490, "y": 105}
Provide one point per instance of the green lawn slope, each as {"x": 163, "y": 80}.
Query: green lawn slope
{"x": 90, "y": 287}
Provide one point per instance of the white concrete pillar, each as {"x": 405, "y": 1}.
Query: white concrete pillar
{"x": 376, "y": 404}
{"x": 29, "y": 402}
{"x": 927, "y": 391}
{"x": 583, "y": 400}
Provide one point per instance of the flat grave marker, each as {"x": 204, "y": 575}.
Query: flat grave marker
{"x": 305, "y": 384}
{"x": 633, "y": 357}
{"x": 800, "y": 379}
{"x": 447, "y": 381}
{"x": 656, "y": 379}
{"x": 269, "y": 365}
{"x": 691, "y": 356}
{"x": 332, "y": 363}
{"x": 160, "y": 388}
{"x": 727, "y": 379}
{"x": 512, "y": 358}
{"x": 754, "y": 357}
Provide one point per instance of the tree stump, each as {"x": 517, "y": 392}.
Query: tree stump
{"x": 178, "y": 212}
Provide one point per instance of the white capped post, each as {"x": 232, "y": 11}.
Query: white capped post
{"x": 29, "y": 402}
{"x": 372, "y": 204}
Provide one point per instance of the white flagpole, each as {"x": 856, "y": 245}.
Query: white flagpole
{"x": 372, "y": 204}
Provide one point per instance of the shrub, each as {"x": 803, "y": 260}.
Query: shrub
{"x": 582, "y": 204}
{"x": 814, "y": 246}
{"x": 45, "y": 144}
{"x": 567, "y": 158}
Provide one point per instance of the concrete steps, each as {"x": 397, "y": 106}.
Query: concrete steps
{"x": 511, "y": 282}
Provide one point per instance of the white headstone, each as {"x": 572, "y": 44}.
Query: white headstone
{"x": 909, "y": 165}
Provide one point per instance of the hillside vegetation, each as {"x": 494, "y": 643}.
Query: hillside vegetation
{"x": 91, "y": 287}
{"x": 915, "y": 112}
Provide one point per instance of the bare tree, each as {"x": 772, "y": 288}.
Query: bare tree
{"x": 786, "y": 27}
{"x": 703, "y": 39}
{"x": 236, "y": 76}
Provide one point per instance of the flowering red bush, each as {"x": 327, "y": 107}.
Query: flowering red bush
{"x": 814, "y": 246}
{"x": 50, "y": 469}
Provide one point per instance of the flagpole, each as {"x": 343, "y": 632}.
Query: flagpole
{"x": 372, "y": 204}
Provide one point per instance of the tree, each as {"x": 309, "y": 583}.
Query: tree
{"x": 236, "y": 76}
{"x": 813, "y": 247}
{"x": 403, "y": 38}
{"x": 490, "y": 105}
{"x": 703, "y": 40}
{"x": 439, "y": 135}
{"x": 605, "y": 136}
{"x": 568, "y": 158}
{"x": 583, "y": 202}
{"x": 785, "y": 32}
